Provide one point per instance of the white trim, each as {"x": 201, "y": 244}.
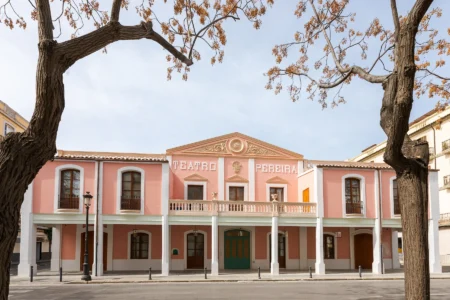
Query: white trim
{"x": 433, "y": 224}
{"x": 10, "y": 124}
{"x": 203, "y": 183}
{"x": 119, "y": 186}
{"x": 335, "y": 245}
{"x": 221, "y": 177}
{"x": 354, "y": 232}
{"x": 149, "y": 246}
{"x": 300, "y": 168}
{"x": 251, "y": 179}
{"x": 286, "y": 247}
{"x": 391, "y": 197}
{"x": 277, "y": 185}
{"x": 362, "y": 191}
{"x": 57, "y": 188}
{"x": 205, "y": 247}
{"x": 28, "y": 235}
{"x": 306, "y": 172}
{"x": 318, "y": 191}
{"x": 238, "y": 184}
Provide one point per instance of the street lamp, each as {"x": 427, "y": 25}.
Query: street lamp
{"x": 87, "y": 203}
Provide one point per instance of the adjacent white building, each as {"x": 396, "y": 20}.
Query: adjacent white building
{"x": 434, "y": 127}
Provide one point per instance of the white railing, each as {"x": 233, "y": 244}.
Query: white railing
{"x": 241, "y": 208}
{"x": 444, "y": 219}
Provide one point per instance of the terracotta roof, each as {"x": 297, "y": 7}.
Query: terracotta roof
{"x": 110, "y": 156}
{"x": 348, "y": 164}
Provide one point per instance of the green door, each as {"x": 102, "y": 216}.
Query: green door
{"x": 237, "y": 249}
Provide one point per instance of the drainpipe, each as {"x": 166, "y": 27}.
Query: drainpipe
{"x": 96, "y": 214}
{"x": 380, "y": 215}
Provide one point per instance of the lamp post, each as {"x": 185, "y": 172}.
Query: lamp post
{"x": 87, "y": 203}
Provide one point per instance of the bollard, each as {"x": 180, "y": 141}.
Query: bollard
{"x": 31, "y": 273}
{"x": 360, "y": 270}
{"x": 310, "y": 272}
{"x": 259, "y": 272}
{"x": 60, "y": 274}
{"x": 205, "y": 274}
{"x": 150, "y": 274}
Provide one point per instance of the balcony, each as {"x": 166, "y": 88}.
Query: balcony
{"x": 69, "y": 202}
{"x": 354, "y": 208}
{"x": 431, "y": 152}
{"x": 446, "y": 147}
{"x": 446, "y": 182}
{"x": 241, "y": 208}
{"x": 130, "y": 204}
{"x": 444, "y": 220}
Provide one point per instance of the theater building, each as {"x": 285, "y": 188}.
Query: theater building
{"x": 226, "y": 203}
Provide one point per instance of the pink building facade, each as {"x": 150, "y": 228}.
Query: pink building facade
{"x": 230, "y": 202}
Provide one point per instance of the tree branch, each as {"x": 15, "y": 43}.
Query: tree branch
{"x": 418, "y": 11}
{"x": 322, "y": 85}
{"x": 434, "y": 74}
{"x": 75, "y": 49}
{"x": 45, "y": 23}
{"x": 396, "y": 19}
{"x": 354, "y": 69}
{"x": 115, "y": 10}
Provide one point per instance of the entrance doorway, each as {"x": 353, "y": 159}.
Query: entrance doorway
{"x": 237, "y": 249}
{"x": 195, "y": 250}
{"x": 281, "y": 250}
{"x": 363, "y": 244}
{"x": 91, "y": 250}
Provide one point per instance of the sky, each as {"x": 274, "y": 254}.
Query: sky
{"x": 122, "y": 102}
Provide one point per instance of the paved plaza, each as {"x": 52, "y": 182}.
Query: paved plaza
{"x": 352, "y": 290}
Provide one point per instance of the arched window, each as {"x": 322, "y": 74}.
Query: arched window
{"x": 353, "y": 202}
{"x": 396, "y": 198}
{"x": 139, "y": 245}
{"x": 70, "y": 189}
{"x": 328, "y": 246}
{"x": 131, "y": 191}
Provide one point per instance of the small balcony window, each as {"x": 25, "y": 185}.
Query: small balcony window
{"x": 70, "y": 189}
{"x": 353, "y": 203}
{"x": 447, "y": 181}
{"x": 445, "y": 145}
{"x": 131, "y": 191}
{"x": 396, "y": 198}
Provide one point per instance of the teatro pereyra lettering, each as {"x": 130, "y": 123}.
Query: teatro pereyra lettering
{"x": 212, "y": 166}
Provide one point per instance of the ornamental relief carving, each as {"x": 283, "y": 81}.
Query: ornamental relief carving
{"x": 257, "y": 150}
{"x": 213, "y": 148}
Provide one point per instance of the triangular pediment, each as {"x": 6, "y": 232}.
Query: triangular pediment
{"x": 235, "y": 144}
{"x": 277, "y": 179}
{"x": 195, "y": 177}
{"x": 237, "y": 178}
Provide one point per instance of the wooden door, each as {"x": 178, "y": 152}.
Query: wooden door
{"x": 195, "y": 251}
{"x": 306, "y": 199}
{"x": 236, "y": 193}
{"x": 281, "y": 250}
{"x": 237, "y": 249}
{"x": 363, "y": 245}
{"x": 91, "y": 250}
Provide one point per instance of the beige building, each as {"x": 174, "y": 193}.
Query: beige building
{"x": 10, "y": 120}
{"x": 433, "y": 127}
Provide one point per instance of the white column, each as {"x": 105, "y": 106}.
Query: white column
{"x": 97, "y": 268}
{"x": 98, "y": 246}
{"x": 27, "y": 236}
{"x": 394, "y": 242}
{"x": 56, "y": 248}
{"x": 320, "y": 264}
{"x": 165, "y": 220}
{"x": 221, "y": 179}
{"x": 376, "y": 234}
{"x": 215, "y": 246}
{"x": 318, "y": 198}
{"x": 303, "y": 248}
{"x": 251, "y": 179}
{"x": 274, "y": 266}
{"x": 433, "y": 224}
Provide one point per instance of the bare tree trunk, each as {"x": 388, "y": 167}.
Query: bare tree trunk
{"x": 22, "y": 155}
{"x": 410, "y": 161}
